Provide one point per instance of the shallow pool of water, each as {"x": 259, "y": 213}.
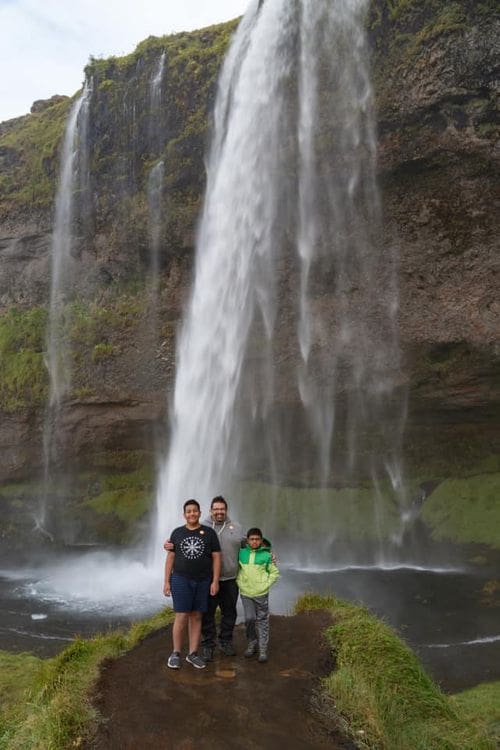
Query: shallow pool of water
{"x": 443, "y": 613}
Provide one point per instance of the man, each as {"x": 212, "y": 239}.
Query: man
{"x": 230, "y": 535}
{"x": 192, "y": 571}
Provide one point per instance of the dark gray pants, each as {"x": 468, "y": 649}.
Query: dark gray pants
{"x": 226, "y": 599}
{"x": 256, "y": 611}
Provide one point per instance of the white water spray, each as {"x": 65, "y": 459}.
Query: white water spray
{"x": 74, "y": 176}
{"x": 288, "y": 242}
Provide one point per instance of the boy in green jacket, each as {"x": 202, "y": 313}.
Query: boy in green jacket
{"x": 256, "y": 575}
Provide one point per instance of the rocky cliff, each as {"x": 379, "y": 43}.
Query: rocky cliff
{"x": 436, "y": 72}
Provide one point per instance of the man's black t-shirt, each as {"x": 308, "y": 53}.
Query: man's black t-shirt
{"x": 193, "y": 551}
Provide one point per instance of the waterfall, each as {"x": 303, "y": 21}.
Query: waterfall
{"x": 73, "y": 180}
{"x": 156, "y": 82}
{"x": 288, "y": 354}
{"x": 156, "y": 130}
{"x": 155, "y": 179}
{"x": 155, "y": 211}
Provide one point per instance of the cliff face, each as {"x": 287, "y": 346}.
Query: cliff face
{"x": 437, "y": 79}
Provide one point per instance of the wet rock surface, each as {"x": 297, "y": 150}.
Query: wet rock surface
{"x": 436, "y": 79}
{"x": 233, "y": 704}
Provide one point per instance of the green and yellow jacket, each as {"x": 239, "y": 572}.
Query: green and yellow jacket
{"x": 257, "y": 572}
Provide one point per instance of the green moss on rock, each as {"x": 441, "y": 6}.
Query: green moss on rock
{"x": 117, "y": 506}
{"x": 23, "y": 376}
{"x": 359, "y": 514}
{"x": 465, "y": 510}
{"x": 29, "y": 159}
{"x": 127, "y": 504}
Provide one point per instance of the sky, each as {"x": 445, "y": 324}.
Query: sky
{"x": 45, "y": 44}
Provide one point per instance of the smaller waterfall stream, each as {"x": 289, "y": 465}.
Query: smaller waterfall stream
{"x": 73, "y": 178}
{"x": 156, "y": 219}
{"x": 156, "y": 130}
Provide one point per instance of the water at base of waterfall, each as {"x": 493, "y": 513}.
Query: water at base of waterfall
{"x": 43, "y": 608}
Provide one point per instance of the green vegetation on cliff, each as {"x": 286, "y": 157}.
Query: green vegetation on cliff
{"x": 360, "y": 514}
{"x": 128, "y": 134}
{"x": 172, "y": 129}
{"x": 23, "y": 376}
{"x": 403, "y": 32}
{"x": 465, "y": 510}
{"x": 122, "y": 501}
{"x": 29, "y": 160}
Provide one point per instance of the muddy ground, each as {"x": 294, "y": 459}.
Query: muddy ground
{"x": 233, "y": 704}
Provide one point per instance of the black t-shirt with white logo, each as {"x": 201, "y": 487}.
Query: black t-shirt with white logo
{"x": 193, "y": 551}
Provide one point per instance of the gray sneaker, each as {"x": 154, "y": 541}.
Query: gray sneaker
{"x": 174, "y": 660}
{"x": 251, "y": 649}
{"x": 195, "y": 660}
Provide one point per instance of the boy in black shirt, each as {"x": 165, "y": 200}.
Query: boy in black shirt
{"x": 192, "y": 572}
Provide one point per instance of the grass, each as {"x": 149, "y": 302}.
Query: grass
{"x": 18, "y": 672}
{"x": 378, "y": 691}
{"x": 50, "y": 706}
{"x": 383, "y": 696}
{"x": 481, "y": 703}
{"x": 466, "y": 510}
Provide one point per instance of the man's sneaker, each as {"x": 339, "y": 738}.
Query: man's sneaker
{"x": 262, "y": 657}
{"x": 174, "y": 660}
{"x": 251, "y": 649}
{"x": 207, "y": 653}
{"x": 227, "y": 648}
{"x": 196, "y": 660}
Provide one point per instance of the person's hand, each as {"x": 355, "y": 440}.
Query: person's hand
{"x": 214, "y": 588}
{"x": 168, "y": 546}
{"x": 166, "y": 589}
{"x": 274, "y": 559}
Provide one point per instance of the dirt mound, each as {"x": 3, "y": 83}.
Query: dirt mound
{"x": 233, "y": 704}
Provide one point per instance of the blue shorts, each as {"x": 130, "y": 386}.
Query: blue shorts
{"x": 189, "y": 595}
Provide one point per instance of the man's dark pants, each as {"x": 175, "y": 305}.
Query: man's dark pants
{"x": 226, "y": 599}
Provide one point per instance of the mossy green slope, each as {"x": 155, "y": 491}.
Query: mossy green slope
{"x": 378, "y": 690}
{"x": 382, "y": 693}
{"x": 51, "y": 706}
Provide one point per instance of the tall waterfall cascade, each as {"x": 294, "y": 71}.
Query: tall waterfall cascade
{"x": 73, "y": 179}
{"x": 288, "y": 355}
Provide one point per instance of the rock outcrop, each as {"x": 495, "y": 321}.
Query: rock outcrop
{"x": 436, "y": 72}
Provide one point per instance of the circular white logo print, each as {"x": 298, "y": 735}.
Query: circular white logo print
{"x": 192, "y": 547}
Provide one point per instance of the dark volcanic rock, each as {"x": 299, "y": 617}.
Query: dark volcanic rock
{"x": 437, "y": 80}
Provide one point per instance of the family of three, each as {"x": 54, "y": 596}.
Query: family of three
{"x": 208, "y": 564}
